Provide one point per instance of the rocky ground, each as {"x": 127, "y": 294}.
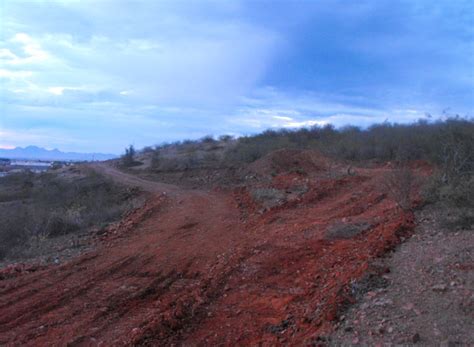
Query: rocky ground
{"x": 427, "y": 297}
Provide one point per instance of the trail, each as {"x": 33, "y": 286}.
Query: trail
{"x": 131, "y": 180}
{"x": 198, "y": 271}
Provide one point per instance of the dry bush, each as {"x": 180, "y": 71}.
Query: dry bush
{"x": 399, "y": 184}
{"x": 45, "y": 206}
{"x": 456, "y": 200}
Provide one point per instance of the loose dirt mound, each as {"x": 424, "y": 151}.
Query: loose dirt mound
{"x": 208, "y": 269}
{"x": 290, "y": 160}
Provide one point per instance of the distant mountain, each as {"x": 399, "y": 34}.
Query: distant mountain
{"x": 34, "y": 152}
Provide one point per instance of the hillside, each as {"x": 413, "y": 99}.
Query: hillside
{"x": 187, "y": 272}
{"x": 248, "y": 242}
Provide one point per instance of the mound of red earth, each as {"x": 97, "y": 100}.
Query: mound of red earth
{"x": 210, "y": 268}
{"x": 290, "y": 160}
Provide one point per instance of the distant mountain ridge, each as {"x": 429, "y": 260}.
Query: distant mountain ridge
{"x": 38, "y": 153}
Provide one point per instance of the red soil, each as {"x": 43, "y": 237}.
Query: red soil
{"x": 206, "y": 268}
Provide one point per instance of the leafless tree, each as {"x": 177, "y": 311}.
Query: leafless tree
{"x": 400, "y": 183}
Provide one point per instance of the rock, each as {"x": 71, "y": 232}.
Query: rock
{"x": 439, "y": 288}
{"x": 371, "y": 294}
{"x": 416, "y": 338}
{"x": 383, "y": 302}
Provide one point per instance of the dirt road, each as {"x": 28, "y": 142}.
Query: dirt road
{"x": 132, "y": 180}
{"x": 204, "y": 268}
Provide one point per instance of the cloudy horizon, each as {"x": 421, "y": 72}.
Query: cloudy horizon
{"x": 96, "y": 76}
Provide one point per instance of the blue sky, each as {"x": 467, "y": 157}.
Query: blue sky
{"x": 99, "y": 75}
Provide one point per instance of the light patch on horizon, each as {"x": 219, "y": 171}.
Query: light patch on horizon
{"x": 6, "y": 146}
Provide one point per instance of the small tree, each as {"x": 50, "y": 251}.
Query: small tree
{"x": 128, "y": 157}
{"x": 400, "y": 183}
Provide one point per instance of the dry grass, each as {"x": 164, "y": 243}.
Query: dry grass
{"x": 39, "y": 207}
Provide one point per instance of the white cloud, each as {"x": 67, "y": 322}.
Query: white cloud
{"x": 56, "y": 90}
{"x": 148, "y": 71}
{"x": 15, "y": 74}
{"x": 32, "y": 49}
{"x": 284, "y": 118}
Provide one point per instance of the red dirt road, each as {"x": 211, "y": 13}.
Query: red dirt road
{"x": 204, "y": 268}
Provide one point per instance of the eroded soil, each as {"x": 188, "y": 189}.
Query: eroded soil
{"x": 212, "y": 267}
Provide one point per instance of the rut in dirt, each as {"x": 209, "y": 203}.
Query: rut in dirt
{"x": 199, "y": 270}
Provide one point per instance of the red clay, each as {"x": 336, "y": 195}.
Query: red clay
{"x": 205, "y": 268}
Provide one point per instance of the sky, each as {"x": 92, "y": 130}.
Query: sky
{"x": 100, "y": 75}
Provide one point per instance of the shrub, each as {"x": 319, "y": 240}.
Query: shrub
{"x": 399, "y": 183}
{"x": 52, "y": 206}
{"x": 128, "y": 159}
{"x": 455, "y": 198}
{"x": 148, "y": 149}
{"x": 208, "y": 139}
{"x": 225, "y": 138}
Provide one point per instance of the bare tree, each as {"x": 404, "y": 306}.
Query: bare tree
{"x": 400, "y": 183}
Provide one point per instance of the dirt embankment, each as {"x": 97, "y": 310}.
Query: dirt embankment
{"x": 212, "y": 268}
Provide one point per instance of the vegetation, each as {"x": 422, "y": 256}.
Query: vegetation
{"x": 39, "y": 207}
{"x": 128, "y": 159}
{"x": 399, "y": 183}
{"x": 447, "y": 145}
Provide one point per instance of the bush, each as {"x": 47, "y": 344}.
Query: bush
{"x": 128, "y": 159}
{"x": 399, "y": 183}
{"x": 47, "y": 206}
{"x": 208, "y": 139}
{"x": 456, "y": 199}
{"x": 225, "y": 138}
{"x": 148, "y": 149}
{"x": 249, "y": 149}
{"x": 449, "y": 143}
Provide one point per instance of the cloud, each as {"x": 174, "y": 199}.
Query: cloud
{"x": 111, "y": 73}
{"x": 178, "y": 59}
{"x": 272, "y": 108}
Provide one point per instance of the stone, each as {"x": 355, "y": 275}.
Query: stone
{"x": 439, "y": 288}
{"x": 416, "y": 338}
